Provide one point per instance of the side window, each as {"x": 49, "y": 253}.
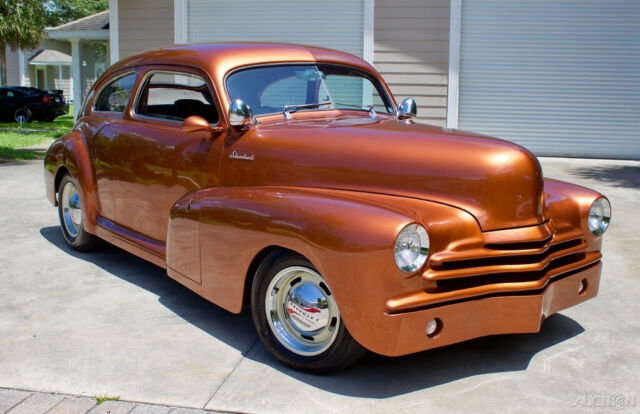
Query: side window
{"x": 115, "y": 96}
{"x": 176, "y": 96}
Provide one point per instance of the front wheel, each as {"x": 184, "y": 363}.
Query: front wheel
{"x": 297, "y": 317}
{"x": 70, "y": 214}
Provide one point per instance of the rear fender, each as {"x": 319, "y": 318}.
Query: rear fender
{"x": 71, "y": 152}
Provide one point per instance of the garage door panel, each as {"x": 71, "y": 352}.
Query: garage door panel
{"x": 560, "y": 77}
{"x": 336, "y": 24}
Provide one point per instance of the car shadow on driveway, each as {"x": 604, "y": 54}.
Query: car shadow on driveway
{"x": 627, "y": 176}
{"x": 383, "y": 377}
{"x": 375, "y": 376}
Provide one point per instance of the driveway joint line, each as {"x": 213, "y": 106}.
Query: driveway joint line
{"x": 64, "y": 397}
{"x": 244, "y": 355}
{"x": 18, "y": 403}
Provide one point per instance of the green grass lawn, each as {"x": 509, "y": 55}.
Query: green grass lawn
{"x": 14, "y": 138}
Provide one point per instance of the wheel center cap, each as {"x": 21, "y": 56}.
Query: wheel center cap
{"x": 307, "y": 308}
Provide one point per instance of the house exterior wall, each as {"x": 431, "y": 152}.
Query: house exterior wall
{"x": 64, "y": 82}
{"x": 13, "y": 67}
{"x": 411, "y": 45}
{"x": 53, "y": 75}
{"x": 30, "y": 75}
{"x": 144, "y": 24}
{"x": 411, "y": 51}
{"x": 91, "y": 58}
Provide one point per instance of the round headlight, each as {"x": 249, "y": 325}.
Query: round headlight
{"x": 599, "y": 216}
{"x": 412, "y": 248}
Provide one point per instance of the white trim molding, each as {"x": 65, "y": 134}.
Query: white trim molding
{"x": 453, "y": 88}
{"x": 21, "y": 67}
{"x": 180, "y": 34}
{"x": 80, "y": 34}
{"x": 367, "y": 44}
{"x": 76, "y": 76}
{"x": 114, "y": 33}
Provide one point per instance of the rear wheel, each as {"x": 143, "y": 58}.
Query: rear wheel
{"x": 297, "y": 317}
{"x": 70, "y": 214}
{"x": 22, "y": 115}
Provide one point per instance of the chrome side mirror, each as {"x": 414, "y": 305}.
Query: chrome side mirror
{"x": 407, "y": 109}
{"x": 240, "y": 114}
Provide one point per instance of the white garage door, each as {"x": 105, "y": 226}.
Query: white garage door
{"x": 559, "y": 77}
{"x": 336, "y": 24}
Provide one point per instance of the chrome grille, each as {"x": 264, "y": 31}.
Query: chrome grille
{"x": 509, "y": 263}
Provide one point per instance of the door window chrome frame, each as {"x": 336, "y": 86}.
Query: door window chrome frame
{"x": 143, "y": 84}
{"x": 109, "y": 82}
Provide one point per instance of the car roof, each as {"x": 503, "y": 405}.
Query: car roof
{"x": 218, "y": 59}
{"x": 226, "y": 56}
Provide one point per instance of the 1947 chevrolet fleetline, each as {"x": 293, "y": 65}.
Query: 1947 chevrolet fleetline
{"x": 286, "y": 178}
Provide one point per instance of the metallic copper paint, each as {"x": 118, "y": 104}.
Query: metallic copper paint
{"x": 336, "y": 187}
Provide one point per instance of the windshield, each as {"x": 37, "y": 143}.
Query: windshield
{"x": 269, "y": 89}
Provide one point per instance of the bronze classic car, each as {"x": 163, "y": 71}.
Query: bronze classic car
{"x": 286, "y": 179}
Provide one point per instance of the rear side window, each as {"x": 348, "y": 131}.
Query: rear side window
{"x": 115, "y": 96}
{"x": 176, "y": 96}
{"x": 8, "y": 93}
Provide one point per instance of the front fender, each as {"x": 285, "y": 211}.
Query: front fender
{"x": 348, "y": 236}
{"x": 569, "y": 206}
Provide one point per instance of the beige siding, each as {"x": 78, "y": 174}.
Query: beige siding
{"x": 411, "y": 51}
{"x": 64, "y": 82}
{"x": 30, "y": 79}
{"x": 53, "y": 75}
{"x": 144, "y": 24}
{"x": 91, "y": 54}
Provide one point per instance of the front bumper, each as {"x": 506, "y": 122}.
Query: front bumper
{"x": 491, "y": 315}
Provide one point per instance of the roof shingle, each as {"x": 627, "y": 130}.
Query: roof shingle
{"x": 98, "y": 21}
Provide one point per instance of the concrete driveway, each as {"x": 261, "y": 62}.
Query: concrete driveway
{"x": 110, "y": 323}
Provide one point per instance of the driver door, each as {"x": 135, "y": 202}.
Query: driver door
{"x": 157, "y": 162}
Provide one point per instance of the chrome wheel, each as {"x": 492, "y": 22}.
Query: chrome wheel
{"x": 301, "y": 311}
{"x": 71, "y": 210}
{"x": 22, "y": 116}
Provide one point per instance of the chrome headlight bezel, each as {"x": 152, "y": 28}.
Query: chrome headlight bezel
{"x": 411, "y": 248}
{"x": 599, "y": 216}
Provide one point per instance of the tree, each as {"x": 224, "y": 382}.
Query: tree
{"x": 22, "y": 24}
{"x": 64, "y": 11}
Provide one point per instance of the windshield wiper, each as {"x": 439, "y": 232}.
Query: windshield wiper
{"x": 288, "y": 109}
{"x": 368, "y": 108}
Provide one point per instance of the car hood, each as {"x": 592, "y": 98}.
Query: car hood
{"x": 499, "y": 182}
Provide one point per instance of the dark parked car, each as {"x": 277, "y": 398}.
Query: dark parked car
{"x": 24, "y": 104}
